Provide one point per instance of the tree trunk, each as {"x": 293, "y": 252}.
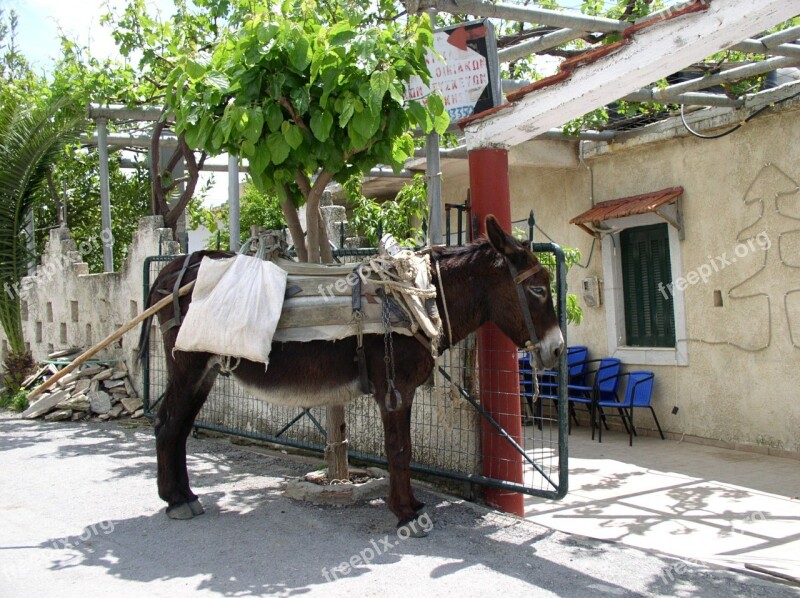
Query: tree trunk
{"x": 324, "y": 243}
{"x": 293, "y": 222}
{"x": 318, "y": 247}
{"x": 336, "y": 450}
{"x": 312, "y": 227}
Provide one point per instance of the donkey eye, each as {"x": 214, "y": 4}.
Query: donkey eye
{"x": 538, "y": 292}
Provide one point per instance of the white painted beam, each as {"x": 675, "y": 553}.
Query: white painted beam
{"x": 528, "y": 14}
{"x": 538, "y": 44}
{"x": 653, "y": 53}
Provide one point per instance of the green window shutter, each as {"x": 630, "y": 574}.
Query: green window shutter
{"x": 646, "y": 275}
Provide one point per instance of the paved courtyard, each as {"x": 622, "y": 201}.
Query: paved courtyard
{"x": 732, "y": 508}
{"x": 81, "y": 518}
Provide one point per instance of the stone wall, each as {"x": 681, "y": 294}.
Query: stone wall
{"x": 64, "y": 306}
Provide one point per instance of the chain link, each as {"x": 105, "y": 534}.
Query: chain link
{"x": 388, "y": 357}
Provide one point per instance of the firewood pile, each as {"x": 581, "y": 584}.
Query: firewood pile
{"x": 96, "y": 390}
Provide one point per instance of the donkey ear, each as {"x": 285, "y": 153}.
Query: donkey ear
{"x": 504, "y": 243}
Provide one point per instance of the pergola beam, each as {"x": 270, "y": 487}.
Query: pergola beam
{"x": 120, "y": 112}
{"x": 654, "y": 52}
{"x": 540, "y": 43}
{"x": 754, "y": 46}
{"x": 527, "y": 14}
{"x": 734, "y": 74}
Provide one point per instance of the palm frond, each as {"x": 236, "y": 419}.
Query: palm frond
{"x": 31, "y": 139}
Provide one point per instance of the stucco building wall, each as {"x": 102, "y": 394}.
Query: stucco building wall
{"x": 740, "y": 378}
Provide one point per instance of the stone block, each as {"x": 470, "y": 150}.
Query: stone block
{"x": 44, "y": 405}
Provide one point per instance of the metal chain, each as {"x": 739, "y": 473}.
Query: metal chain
{"x": 388, "y": 357}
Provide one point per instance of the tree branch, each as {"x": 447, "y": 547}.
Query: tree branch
{"x": 298, "y": 120}
{"x": 302, "y": 182}
{"x": 172, "y": 216}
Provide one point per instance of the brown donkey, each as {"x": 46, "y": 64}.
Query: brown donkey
{"x": 485, "y": 281}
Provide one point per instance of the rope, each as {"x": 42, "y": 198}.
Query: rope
{"x": 225, "y": 367}
{"x": 397, "y": 275}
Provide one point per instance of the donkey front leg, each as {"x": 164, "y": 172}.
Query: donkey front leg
{"x": 397, "y": 438}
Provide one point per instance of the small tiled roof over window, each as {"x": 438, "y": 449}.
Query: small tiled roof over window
{"x": 626, "y": 206}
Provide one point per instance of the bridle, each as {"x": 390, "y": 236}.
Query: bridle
{"x": 519, "y": 278}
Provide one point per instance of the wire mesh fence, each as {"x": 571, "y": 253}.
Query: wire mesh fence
{"x": 449, "y": 432}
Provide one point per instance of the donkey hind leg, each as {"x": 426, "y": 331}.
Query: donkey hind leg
{"x": 397, "y": 438}
{"x": 191, "y": 377}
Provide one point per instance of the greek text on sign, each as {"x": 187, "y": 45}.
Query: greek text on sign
{"x": 460, "y": 75}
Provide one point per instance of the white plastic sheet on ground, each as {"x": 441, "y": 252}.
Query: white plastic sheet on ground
{"x": 236, "y": 305}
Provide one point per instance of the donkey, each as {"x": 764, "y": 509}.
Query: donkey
{"x": 479, "y": 283}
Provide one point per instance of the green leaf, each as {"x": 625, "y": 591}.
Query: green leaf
{"x": 255, "y": 124}
{"x": 420, "y": 116}
{"x": 217, "y": 81}
{"x": 192, "y": 137}
{"x": 321, "y": 123}
{"x": 441, "y": 122}
{"x": 293, "y": 136}
{"x": 274, "y": 117}
{"x": 435, "y": 104}
{"x": 346, "y": 113}
{"x": 299, "y": 55}
{"x": 248, "y": 149}
{"x": 195, "y": 70}
{"x": 278, "y": 148}
{"x": 366, "y": 123}
{"x": 260, "y": 158}
{"x": 379, "y": 83}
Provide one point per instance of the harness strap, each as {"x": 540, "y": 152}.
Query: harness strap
{"x": 520, "y": 278}
{"x": 177, "y": 318}
{"x": 361, "y": 356}
{"x": 526, "y": 313}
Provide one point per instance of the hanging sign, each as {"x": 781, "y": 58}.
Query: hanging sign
{"x": 466, "y": 72}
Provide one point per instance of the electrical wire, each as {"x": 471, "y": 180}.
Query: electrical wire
{"x": 735, "y": 128}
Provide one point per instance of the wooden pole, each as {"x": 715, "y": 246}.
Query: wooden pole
{"x": 336, "y": 450}
{"x": 108, "y": 340}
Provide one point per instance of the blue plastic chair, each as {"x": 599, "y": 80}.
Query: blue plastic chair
{"x": 603, "y": 386}
{"x": 548, "y": 379}
{"x": 638, "y": 394}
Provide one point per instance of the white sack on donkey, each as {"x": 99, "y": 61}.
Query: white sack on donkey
{"x": 236, "y": 305}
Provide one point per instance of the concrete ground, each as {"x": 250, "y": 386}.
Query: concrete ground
{"x": 731, "y": 508}
{"x": 80, "y": 517}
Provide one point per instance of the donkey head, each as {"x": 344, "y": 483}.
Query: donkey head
{"x": 523, "y": 272}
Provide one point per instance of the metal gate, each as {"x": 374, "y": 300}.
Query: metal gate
{"x": 446, "y": 430}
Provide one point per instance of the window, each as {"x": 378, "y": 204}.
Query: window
{"x": 645, "y": 323}
{"x": 647, "y": 297}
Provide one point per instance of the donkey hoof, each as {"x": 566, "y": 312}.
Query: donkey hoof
{"x": 181, "y": 512}
{"x": 415, "y": 527}
{"x": 196, "y": 507}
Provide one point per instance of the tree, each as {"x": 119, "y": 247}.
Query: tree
{"x": 309, "y": 93}
{"x": 31, "y": 140}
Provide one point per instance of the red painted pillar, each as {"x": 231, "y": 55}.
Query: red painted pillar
{"x": 499, "y": 377}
